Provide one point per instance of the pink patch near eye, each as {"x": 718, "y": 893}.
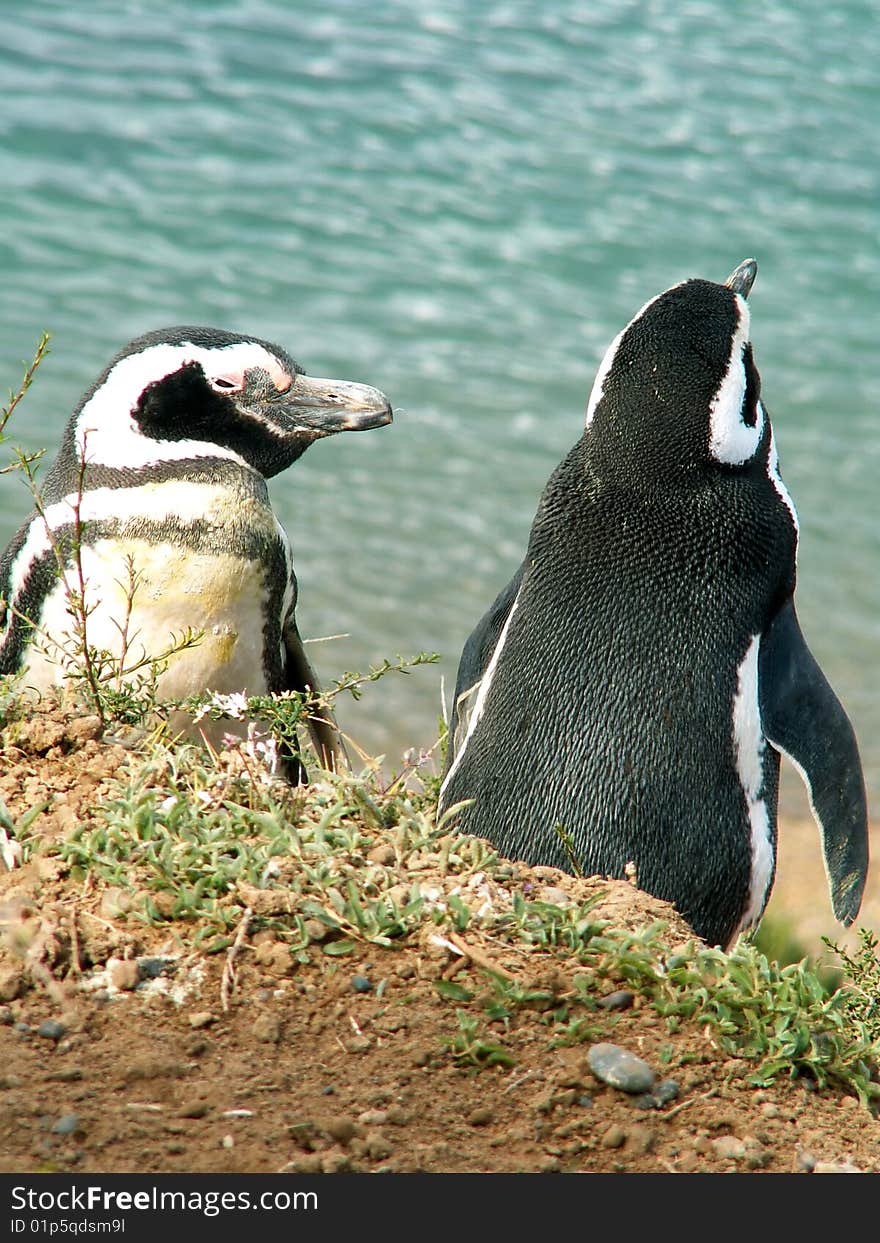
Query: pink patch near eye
{"x": 281, "y": 380}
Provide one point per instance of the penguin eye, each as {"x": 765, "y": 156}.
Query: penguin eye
{"x": 227, "y": 384}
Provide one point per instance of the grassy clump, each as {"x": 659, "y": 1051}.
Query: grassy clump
{"x": 355, "y": 859}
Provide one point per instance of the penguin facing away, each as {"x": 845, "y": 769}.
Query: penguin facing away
{"x": 159, "y": 491}
{"x": 628, "y": 695}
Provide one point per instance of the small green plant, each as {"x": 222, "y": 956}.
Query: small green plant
{"x": 568, "y": 846}
{"x": 469, "y": 1048}
{"x": 861, "y": 989}
{"x": 15, "y": 838}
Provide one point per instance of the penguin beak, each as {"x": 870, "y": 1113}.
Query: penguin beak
{"x": 742, "y": 278}
{"x": 326, "y": 406}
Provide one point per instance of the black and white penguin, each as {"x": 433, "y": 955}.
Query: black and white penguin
{"x": 626, "y": 698}
{"x": 160, "y": 484}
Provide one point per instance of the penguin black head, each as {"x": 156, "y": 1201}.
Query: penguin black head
{"x": 678, "y": 391}
{"x": 190, "y": 392}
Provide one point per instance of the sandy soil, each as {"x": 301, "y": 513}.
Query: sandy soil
{"x": 126, "y": 1049}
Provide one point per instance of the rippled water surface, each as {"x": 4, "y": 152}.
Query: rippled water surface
{"x": 461, "y": 204}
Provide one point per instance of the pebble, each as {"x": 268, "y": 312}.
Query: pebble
{"x": 373, "y": 1117}
{"x": 384, "y": 854}
{"x": 6, "y": 1017}
{"x": 620, "y": 1068}
{"x": 11, "y": 983}
{"x": 836, "y": 1167}
{"x": 621, "y": 999}
{"x": 51, "y": 1029}
{"x": 66, "y": 1125}
{"x": 806, "y": 1161}
{"x": 728, "y": 1146}
{"x": 124, "y": 973}
{"x": 82, "y": 728}
{"x": 376, "y": 1146}
{"x": 664, "y": 1092}
{"x": 361, "y": 984}
{"x": 480, "y": 1117}
{"x": 202, "y": 1018}
{"x": 152, "y": 968}
{"x": 340, "y": 1129}
{"x": 614, "y": 1137}
{"x": 193, "y": 1109}
{"x": 267, "y": 1027}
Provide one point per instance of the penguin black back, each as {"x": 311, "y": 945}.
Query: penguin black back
{"x": 622, "y": 698}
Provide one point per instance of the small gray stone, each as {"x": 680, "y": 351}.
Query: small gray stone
{"x": 665, "y": 1091}
{"x": 361, "y": 984}
{"x": 51, "y": 1029}
{"x": 646, "y": 1100}
{"x": 151, "y": 968}
{"x": 66, "y": 1125}
{"x": 620, "y": 1069}
{"x": 622, "y": 999}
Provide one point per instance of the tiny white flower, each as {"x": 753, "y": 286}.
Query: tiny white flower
{"x": 10, "y": 851}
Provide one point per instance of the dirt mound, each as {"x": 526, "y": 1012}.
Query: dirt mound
{"x": 458, "y": 1035}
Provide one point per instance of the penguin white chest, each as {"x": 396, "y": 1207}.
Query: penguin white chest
{"x": 139, "y": 599}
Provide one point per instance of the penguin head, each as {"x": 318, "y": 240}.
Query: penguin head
{"x": 184, "y": 392}
{"x": 678, "y": 392}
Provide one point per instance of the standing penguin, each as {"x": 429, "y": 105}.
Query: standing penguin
{"x": 626, "y": 698}
{"x": 159, "y": 489}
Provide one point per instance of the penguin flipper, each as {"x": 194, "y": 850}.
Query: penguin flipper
{"x": 803, "y": 718}
{"x": 301, "y": 677}
{"x": 475, "y": 657}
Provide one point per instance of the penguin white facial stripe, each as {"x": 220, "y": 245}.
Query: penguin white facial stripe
{"x": 607, "y": 362}
{"x": 776, "y": 480}
{"x": 107, "y": 439}
{"x": 477, "y": 710}
{"x": 748, "y": 741}
{"x": 731, "y": 440}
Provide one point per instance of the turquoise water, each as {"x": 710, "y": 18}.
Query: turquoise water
{"x": 462, "y": 204}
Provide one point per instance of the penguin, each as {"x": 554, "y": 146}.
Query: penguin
{"x": 156, "y": 514}
{"x": 624, "y": 702}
